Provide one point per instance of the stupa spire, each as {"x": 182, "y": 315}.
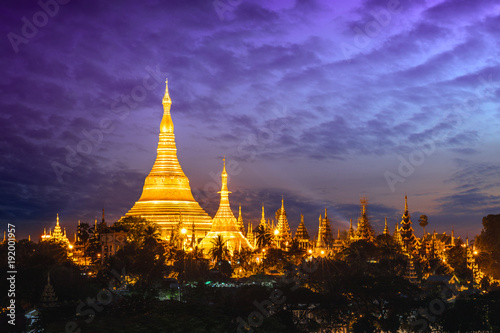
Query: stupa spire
{"x": 241, "y": 225}
{"x": 166, "y": 125}
{"x": 263, "y": 218}
{"x": 386, "y": 228}
{"x": 224, "y": 223}
{"x": 166, "y": 190}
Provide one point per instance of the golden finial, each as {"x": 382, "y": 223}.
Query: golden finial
{"x": 166, "y": 97}
{"x": 406, "y": 203}
{"x": 166, "y": 125}
{"x": 57, "y": 219}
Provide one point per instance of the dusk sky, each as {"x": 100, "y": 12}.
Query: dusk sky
{"x": 319, "y": 101}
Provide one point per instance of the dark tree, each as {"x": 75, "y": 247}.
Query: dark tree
{"x": 423, "y": 222}
{"x": 488, "y": 246}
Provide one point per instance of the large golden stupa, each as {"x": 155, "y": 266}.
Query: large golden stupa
{"x": 166, "y": 197}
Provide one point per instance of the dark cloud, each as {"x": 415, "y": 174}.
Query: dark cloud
{"x": 265, "y": 81}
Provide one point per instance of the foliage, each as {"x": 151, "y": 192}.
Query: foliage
{"x": 423, "y": 222}
{"x": 456, "y": 257}
{"x": 34, "y": 262}
{"x": 488, "y": 246}
{"x": 264, "y": 236}
{"x": 143, "y": 256}
{"x": 218, "y": 251}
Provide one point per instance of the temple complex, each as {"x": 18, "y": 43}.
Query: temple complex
{"x": 167, "y": 200}
{"x": 166, "y": 195}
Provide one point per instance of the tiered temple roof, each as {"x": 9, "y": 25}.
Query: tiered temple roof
{"x": 364, "y": 229}
{"x": 284, "y": 236}
{"x": 407, "y": 236}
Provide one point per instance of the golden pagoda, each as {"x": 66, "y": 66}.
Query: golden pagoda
{"x": 166, "y": 194}
{"x": 225, "y": 224}
{"x": 282, "y": 231}
{"x": 386, "y": 228}
{"x": 57, "y": 235}
{"x": 325, "y": 237}
{"x": 301, "y": 235}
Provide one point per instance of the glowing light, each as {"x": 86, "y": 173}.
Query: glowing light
{"x": 276, "y": 232}
{"x": 310, "y": 251}
{"x": 475, "y": 252}
{"x": 70, "y": 246}
{"x": 183, "y": 231}
{"x": 322, "y": 252}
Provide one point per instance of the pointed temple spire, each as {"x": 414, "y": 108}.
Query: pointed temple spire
{"x": 166, "y": 190}
{"x": 407, "y": 236}
{"x": 250, "y": 235}
{"x": 48, "y": 299}
{"x": 241, "y": 225}
{"x": 103, "y": 219}
{"x": 325, "y": 236}
{"x": 301, "y": 235}
{"x": 224, "y": 223}
{"x": 386, "y": 228}
{"x": 284, "y": 236}
{"x": 59, "y": 234}
{"x": 351, "y": 233}
{"x": 263, "y": 218}
{"x": 364, "y": 230}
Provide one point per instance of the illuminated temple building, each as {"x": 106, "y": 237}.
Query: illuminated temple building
{"x": 225, "y": 224}
{"x": 166, "y": 198}
{"x": 57, "y": 235}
